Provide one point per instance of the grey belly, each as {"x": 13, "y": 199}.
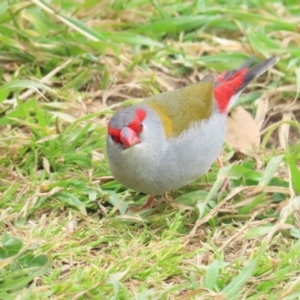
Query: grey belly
{"x": 186, "y": 159}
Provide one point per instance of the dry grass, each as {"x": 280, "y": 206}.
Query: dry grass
{"x": 65, "y": 67}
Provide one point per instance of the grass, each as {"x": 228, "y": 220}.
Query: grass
{"x": 65, "y": 67}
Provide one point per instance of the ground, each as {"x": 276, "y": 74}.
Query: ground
{"x": 66, "y": 67}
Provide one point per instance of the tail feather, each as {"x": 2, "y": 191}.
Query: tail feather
{"x": 230, "y": 84}
{"x": 245, "y": 65}
{"x": 259, "y": 69}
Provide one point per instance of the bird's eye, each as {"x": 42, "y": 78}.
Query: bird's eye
{"x": 141, "y": 125}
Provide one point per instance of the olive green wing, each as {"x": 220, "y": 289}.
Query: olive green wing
{"x": 180, "y": 108}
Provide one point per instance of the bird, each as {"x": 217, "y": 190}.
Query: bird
{"x": 169, "y": 140}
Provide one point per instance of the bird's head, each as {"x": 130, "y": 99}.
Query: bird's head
{"x": 126, "y": 127}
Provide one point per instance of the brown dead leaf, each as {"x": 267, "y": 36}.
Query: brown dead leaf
{"x": 262, "y": 110}
{"x": 242, "y": 131}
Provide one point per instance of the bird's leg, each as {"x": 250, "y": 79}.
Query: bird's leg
{"x": 146, "y": 205}
{"x": 226, "y": 183}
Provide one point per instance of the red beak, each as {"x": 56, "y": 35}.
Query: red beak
{"x": 129, "y": 137}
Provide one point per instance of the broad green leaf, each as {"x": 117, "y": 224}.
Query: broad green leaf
{"x": 115, "y": 200}
{"x": 7, "y": 296}
{"x": 11, "y": 244}
{"x": 256, "y": 232}
{"x": 177, "y": 24}
{"x": 223, "y": 173}
{"x": 3, "y": 7}
{"x": 295, "y": 174}
{"x": 85, "y": 29}
{"x": 81, "y": 159}
{"x": 234, "y": 287}
{"x": 270, "y": 170}
{"x": 211, "y": 276}
{"x": 192, "y": 198}
{"x": 255, "y": 202}
{"x": 36, "y": 17}
{"x": 20, "y": 278}
{"x": 131, "y": 38}
{"x": 72, "y": 200}
{"x": 11, "y": 191}
{"x": 20, "y": 85}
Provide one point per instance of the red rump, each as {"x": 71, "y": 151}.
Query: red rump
{"x": 227, "y": 87}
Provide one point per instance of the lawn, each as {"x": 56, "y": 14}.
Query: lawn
{"x": 66, "y": 66}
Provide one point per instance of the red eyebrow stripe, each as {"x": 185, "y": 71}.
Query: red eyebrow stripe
{"x": 141, "y": 114}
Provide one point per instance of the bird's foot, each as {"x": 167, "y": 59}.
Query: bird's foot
{"x": 146, "y": 205}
